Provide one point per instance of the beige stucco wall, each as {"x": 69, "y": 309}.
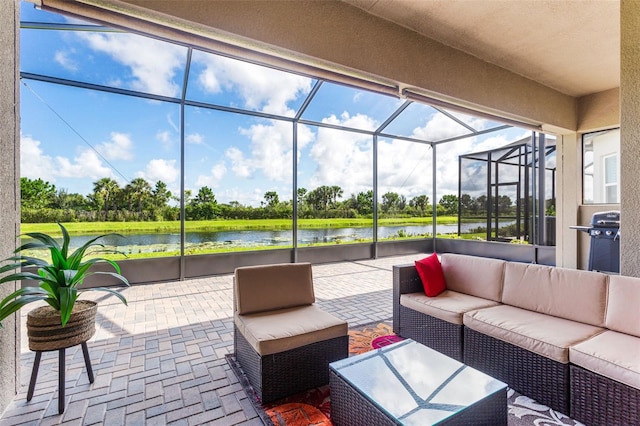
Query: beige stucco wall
{"x": 599, "y": 111}
{"x": 630, "y": 137}
{"x": 9, "y": 169}
{"x": 569, "y": 175}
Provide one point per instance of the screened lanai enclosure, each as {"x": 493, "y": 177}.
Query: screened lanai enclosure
{"x": 498, "y": 186}
{"x": 205, "y": 161}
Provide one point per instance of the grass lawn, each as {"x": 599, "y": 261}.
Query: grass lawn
{"x": 220, "y": 225}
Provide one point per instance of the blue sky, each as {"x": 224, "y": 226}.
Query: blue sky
{"x": 72, "y": 137}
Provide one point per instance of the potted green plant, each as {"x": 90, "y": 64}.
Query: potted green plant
{"x": 66, "y": 321}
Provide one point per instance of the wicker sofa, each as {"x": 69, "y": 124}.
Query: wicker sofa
{"x": 569, "y": 339}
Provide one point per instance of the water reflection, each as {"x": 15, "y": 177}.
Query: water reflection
{"x": 254, "y": 238}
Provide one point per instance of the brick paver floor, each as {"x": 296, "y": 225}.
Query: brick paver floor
{"x": 160, "y": 360}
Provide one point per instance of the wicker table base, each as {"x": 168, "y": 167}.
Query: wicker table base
{"x": 61, "y": 375}
{"x": 409, "y": 383}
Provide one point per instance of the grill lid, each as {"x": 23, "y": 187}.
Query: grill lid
{"x": 610, "y": 219}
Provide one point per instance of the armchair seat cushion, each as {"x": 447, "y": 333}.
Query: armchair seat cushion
{"x": 448, "y": 306}
{"x": 284, "y": 329}
{"x": 539, "y": 333}
{"x": 610, "y": 354}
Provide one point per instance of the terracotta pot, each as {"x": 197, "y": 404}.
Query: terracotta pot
{"x": 47, "y": 334}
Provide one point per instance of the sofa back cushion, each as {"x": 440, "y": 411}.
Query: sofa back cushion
{"x": 623, "y": 305}
{"x": 476, "y": 276}
{"x": 566, "y": 293}
{"x": 268, "y": 287}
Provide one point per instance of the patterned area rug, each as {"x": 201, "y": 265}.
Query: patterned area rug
{"x": 313, "y": 407}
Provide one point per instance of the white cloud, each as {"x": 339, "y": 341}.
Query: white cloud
{"x": 343, "y": 158}
{"x": 212, "y": 180}
{"x": 404, "y": 167}
{"x": 260, "y": 88}
{"x": 173, "y": 125}
{"x": 439, "y": 127}
{"x": 160, "y": 169}
{"x": 241, "y": 166}
{"x": 358, "y": 121}
{"x": 218, "y": 171}
{"x": 34, "y": 164}
{"x": 87, "y": 164}
{"x": 245, "y": 197}
{"x": 164, "y": 137}
{"x": 64, "y": 59}
{"x": 120, "y": 147}
{"x": 475, "y": 122}
{"x": 271, "y": 150}
{"x": 195, "y": 138}
{"x": 153, "y": 63}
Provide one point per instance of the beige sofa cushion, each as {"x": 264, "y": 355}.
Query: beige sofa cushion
{"x": 623, "y": 306}
{"x": 285, "y": 329}
{"x": 565, "y": 293}
{"x": 610, "y": 354}
{"x": 476, "y": 276}
{"x": 542, "y": 334}
{"x": 266, "y": 287}
{"x": 447, "y": 306}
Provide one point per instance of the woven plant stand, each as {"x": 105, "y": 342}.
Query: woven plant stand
{"x": 47, "y": 334}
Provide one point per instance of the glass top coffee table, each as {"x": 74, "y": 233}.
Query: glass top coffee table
{"x": 410, "y": 384}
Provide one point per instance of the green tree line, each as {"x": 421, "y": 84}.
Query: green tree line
{"x": 139, "y": 200}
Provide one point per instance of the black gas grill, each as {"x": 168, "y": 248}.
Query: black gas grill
{"x": 604, "y": 254}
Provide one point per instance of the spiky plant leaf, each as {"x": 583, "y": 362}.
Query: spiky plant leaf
{"x": 83, "y": 268}
{"x": 68, "y": 296}
{"x": 14, "y": 305}
{"x": 49, "y": 288}
{"x": 29, "y": 261}
{"x": 113, "y": 274}
{"x": 65, "y": 241}
{"x": 18, "y": 276}
{"x": 75, "y": 258}
{"x": 59, "y": 279}
{"x": 72, "y": 278}
{"x": 21, "y": 292}
{"x": 31, "y": 245}
{"x": 108, "y": 290}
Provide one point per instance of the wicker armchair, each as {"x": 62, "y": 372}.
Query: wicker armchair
{"x": 282, "y": 340}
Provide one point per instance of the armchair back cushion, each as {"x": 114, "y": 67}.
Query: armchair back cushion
{"x": 476, "y": 276}
{"x": 623, "y": 307}
{"x": 566, "y": 293}
{"x": 268, "y": 287}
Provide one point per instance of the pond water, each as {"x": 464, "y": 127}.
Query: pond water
{"x": 253, "y": 238}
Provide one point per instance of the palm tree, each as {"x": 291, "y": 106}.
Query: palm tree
{"x": 105, "y": 189}
{"x": 138, "y": 193}
{"x": 336, "y": 192}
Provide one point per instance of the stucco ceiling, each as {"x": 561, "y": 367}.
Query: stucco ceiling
{"x": 572, "y": 46}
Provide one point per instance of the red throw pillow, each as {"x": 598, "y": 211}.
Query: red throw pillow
{"x": 430, "y": 271}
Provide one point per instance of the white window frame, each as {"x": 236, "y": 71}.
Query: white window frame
{"x": 615, "y": 182}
